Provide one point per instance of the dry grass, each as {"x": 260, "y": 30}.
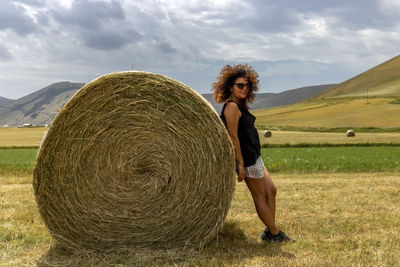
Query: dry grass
{"x": 337, "y": 219}
{"x": 21, "y": 137}
{"x": 23, "y": 236}
{"x": 346, "y": 113}
{"x": 295, "y": 137}
{"x": 31, "y": 137}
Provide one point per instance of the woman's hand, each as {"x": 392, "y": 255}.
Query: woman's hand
{"x": 241, "y": 174}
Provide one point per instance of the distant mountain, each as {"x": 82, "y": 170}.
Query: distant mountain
{"x": 4, "y": 101}
{"x": 267, "y": 100}
{"x": 288, "y": 97}
{"x": 41, "y": 107}
{"x": 380, "y": 81}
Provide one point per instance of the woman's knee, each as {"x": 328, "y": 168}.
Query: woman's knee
{"x": 272, "y": 190}
{"x": 259, "y": 195}
{"x": 269, "y": 184}
{"x": 260, "y": 200}
{"x": 256, "y": 189}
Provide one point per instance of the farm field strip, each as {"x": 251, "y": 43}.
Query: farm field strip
{"x": 297, "y": 137}
{"x": 19, "y": 161}
{"x": 22, "y": 137}
{"x": 332, "y": 159}
{"x": 31, "y": 137}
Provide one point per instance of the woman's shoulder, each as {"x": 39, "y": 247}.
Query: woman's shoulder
{"x": 232, "y": 105}
{"x": 231, "y": 102}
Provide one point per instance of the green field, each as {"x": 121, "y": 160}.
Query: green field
{"x": 20, "y": 161}
{"x": 17, "y": 160}
{"x": 332, "y": 159}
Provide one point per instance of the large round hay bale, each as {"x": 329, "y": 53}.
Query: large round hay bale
{"x": 267, "y": 133}
{"x": 135, "y": 159}
{"x": 350, "y": 133}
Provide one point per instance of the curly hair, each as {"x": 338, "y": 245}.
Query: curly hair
{"x": 227, "y": 77}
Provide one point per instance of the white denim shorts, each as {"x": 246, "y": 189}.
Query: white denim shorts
{"x": 256, "y": 170}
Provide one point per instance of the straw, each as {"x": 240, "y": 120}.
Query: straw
{"x": 135, "y": 159}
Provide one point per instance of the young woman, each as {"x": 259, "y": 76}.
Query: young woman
{"x": 236, "y": 86}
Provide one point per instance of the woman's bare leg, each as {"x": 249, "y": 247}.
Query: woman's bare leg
{"x": 258, "y": 190}
{"x": 271, "y": 192}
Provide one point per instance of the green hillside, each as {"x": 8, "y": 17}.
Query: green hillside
{"x": 370, "y": 99}
{"x": 380, "y": 81}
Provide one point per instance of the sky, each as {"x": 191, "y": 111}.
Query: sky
{"x": 290, "y": 43}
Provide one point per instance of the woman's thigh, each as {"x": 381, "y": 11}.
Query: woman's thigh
{"x": 256, "y": 186}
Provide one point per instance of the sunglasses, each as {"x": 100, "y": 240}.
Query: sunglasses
{"x": 242, "y": 85}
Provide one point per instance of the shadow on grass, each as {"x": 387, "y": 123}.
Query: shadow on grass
{"x": 231, "y": 246}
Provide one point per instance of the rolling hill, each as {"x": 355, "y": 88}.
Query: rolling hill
{"x": 4, "y": 101}
{"x": 346, "y": 104}
{"x": 357, "y": 113}
{"x": 380, "y": 81}
{"x": 41, "y": 107}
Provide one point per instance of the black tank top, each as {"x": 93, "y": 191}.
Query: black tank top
{"x": 247, "y": 134}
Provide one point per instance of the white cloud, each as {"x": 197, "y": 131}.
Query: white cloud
{"x": 297, "y": 68}
{"x": 53, "y": 40}
{"x": 389, "y": 4}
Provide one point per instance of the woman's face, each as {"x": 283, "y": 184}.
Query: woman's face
{"x": 240, "y": 88}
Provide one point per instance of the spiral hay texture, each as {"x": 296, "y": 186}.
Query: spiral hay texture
{"x": 135, "y": 159}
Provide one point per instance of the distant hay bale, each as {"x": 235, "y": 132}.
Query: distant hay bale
{"x": 350, "y": 133}
{"x": 135, "y": 160}
{"x": 267, "y": 133}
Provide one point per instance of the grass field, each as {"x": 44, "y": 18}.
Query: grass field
{"x": 337, "y": 220}
{"x": 17, "y": 161}
{"x": 332, "y": 159}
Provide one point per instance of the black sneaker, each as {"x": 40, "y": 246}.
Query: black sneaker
{"x": 280, "y": 237}
{"x": 264, "y": 235}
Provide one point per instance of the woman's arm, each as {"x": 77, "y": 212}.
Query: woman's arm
{"x": 232, "y": 116}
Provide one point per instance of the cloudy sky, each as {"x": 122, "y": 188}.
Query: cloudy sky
{"x": 290, "y": 43}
